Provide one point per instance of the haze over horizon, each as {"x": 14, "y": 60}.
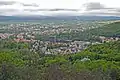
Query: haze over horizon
{"x": 59, "y": 7}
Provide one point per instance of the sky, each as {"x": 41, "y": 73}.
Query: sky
{"x": 59, "y": 7}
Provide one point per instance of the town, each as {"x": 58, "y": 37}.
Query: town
{"x": 43, "y": 36}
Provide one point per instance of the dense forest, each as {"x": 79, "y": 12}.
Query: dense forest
{"x": 97, "y": 62}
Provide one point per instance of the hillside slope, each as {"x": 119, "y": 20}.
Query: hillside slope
{"x": 108, "y": 30}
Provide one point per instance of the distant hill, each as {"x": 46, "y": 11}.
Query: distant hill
{"x": 108, "y": 30}
{"x": 64, "y": 17}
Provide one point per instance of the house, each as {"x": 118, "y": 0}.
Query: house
{"x": 85, "y": 59}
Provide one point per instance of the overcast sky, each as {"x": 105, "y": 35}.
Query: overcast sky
{"x": 57, "y": 7}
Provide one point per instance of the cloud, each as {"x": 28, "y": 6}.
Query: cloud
{"x": 103, "y": 13}
{"x": 94, "y": 6}
{"x": 26, "y": 7}
{"x": 118, "y": 10}
{"x": 63, "y": 9}
{"x": 7, "y": 3}
{"x": 32, "y": 4}
{"x": 8, "y": 11}
{"x": 34, "y": 10}
{"x": 2, "y": 3}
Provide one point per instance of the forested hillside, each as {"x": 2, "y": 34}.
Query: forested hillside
{"x": 108, "y": 30}
{"x": 97, "y": 62}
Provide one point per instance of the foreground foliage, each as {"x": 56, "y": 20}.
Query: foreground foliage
{"x": 97, "y": 62}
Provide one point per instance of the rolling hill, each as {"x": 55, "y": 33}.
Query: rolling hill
{"x": 108, "y": 30}
{"x": 60, "y": 17}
